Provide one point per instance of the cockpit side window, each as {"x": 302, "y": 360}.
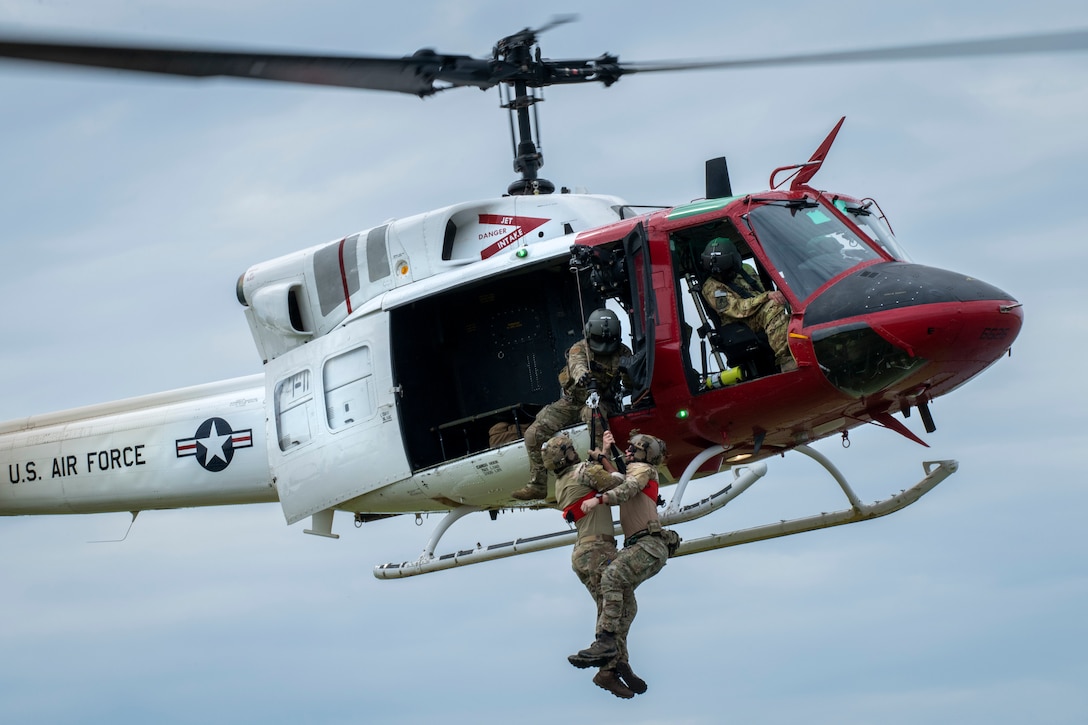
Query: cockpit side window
{"x": 688, "y": 245}
{"x": 715, "y": 353}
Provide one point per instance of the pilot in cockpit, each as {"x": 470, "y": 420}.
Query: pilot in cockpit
{"x": 734, "y": 290}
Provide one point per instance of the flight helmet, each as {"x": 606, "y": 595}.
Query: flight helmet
{"x": 647, "y": 449}
{"x": 721, "y": 258}
{"x": 558, "y": 453}
{"x": 603, "y": 331}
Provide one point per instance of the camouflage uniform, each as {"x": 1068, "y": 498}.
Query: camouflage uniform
{"x": 595, "y": 548}
{"x": 643, "y": 555}
{"x": 742, "y": 301}
{"x": 604, "y": 369}
{"x": 596, "y": 544}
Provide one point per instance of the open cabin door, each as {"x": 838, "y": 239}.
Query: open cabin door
{"x": 481, "y": 354}
{"x": 332, "y": 427}
{"x": 614, "y": 264}
{"x": 643, "y": 314}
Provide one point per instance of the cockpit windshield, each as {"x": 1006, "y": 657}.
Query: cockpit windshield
{"x": 807, "y": 244}
{"x": 868, "y": 217}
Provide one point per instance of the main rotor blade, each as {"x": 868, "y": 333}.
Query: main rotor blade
{"x": 1012, "y": 45}
{"x": 427, "y": 72}
{"x": 416, "y": 74}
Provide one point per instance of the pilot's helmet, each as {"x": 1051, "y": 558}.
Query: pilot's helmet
{"x": 603, "y": 331}
{"x": 647, "y": 448}
{"x": 721, "y": 258}
{"x": 558, "y": 453}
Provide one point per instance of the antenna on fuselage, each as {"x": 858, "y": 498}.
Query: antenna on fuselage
{"x": 717, "y": 179}
{"x": 117, "y": 541}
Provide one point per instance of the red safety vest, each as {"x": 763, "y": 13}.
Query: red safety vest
{"x": 572, "y": 513}
{"x": 651, "y": 490}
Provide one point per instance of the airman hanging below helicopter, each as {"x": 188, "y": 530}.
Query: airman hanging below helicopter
{"x": 593, "y": 362}
{"x": 646, "y": 547}
{"x": 733, "y": 289}
{"x": 595, "y": 547}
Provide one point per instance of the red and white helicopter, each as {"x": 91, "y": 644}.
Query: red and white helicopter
{"x": 497, "y": 290}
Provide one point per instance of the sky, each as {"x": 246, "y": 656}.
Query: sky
{"x": 130, "y": 205}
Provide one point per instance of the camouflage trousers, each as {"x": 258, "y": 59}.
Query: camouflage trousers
{"x": 773, "y": 320}
{"x": 589, "y": 560}
{"x": 632, "y": 566}
{"x": 550, "y": 420}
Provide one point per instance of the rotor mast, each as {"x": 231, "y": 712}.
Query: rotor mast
{"x": 527, "y": 155}
{"x": 518, "y": 51}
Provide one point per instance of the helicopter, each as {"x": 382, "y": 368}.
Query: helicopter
{"x": 344, "y": 330}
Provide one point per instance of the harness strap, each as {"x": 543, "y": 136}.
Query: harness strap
{"x": 651, "y": 490}
{"x": 572, "y": 513}
{"x": 639, "y": 535}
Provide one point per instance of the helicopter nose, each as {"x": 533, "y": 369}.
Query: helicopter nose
{"x": 893, "y": 321}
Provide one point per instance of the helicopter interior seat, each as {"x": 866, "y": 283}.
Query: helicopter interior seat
{"x": 492, "y": 429}
{"x": 745, "y": 349}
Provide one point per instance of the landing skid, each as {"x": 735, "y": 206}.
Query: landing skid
{"x": 677, "y": 513}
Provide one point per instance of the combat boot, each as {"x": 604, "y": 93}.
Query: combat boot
{"x": 531, "y": 492}
{"x": 597, "y": 654}
{"x": 633, "y": 681}
{"x": 607, "y": 680}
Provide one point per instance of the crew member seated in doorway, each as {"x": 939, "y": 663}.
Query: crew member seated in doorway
{"x": 591, "y": 362}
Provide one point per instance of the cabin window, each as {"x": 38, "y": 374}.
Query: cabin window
{"x": 349, "y": 388}
{"x": 293, "y": 400}
{"x": 377, "y": 255}
{"x": 336, "y": 273}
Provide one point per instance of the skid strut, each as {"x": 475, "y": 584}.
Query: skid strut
{"x": 935, "y": 472}
{"x": 676, "y": 513}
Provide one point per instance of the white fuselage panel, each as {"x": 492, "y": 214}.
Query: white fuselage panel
{"x": 199, "y": 446}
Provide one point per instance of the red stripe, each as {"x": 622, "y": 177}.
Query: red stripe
{"x": 344, "y": 274}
